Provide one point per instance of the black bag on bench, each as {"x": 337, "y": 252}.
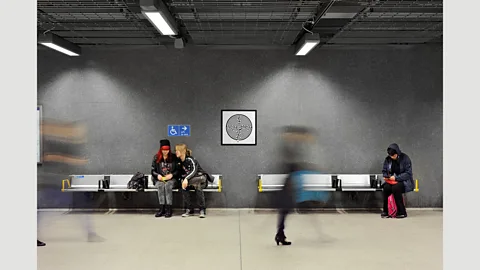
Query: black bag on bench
{"x": 137, "y": 182}
{"x": 210, "y": 178}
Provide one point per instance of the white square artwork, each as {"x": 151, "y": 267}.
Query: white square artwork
{"x": 239, "y": 127}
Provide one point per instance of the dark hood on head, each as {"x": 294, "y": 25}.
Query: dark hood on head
{"x": 395, "y": 147}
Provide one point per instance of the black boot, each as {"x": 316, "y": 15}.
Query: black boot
{"x": 281, "y": 238}
{"x": 160, "y": 212}
{"x": 40, "y": 243}
{"x": 168, "y": 212}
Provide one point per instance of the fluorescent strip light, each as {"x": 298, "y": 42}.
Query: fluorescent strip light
{"x": 60, "y": 49}
{"x": 307, "y": 47}
{"x": 157, "y": 19}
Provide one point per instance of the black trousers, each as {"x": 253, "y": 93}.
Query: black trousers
{"x": 196, "y": 183}
{"x": 397, "y": 191}
{"x": 285, "y": 204}
{"x": 282, "y": 215}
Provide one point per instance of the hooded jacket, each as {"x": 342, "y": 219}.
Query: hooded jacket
{"x": 405, "y": 164}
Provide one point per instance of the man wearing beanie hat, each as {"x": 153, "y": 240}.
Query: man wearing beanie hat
{"x": 397, "y": 173}
{"x": 164, "y": 174}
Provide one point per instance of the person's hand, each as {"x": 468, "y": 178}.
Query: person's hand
{"x": 392, "y": 178}
{"x": 184, "y": 184}
{"x": 168, "y": 176}
{"x": 159, "y": 177}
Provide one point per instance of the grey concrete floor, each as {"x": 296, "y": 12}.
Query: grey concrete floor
{"x": 242, "y": 240}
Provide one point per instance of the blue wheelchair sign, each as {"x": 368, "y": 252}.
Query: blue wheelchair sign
{"x": 173, "y": 131}
{"x": 178, "y": 130}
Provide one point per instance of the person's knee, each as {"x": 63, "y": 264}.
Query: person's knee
{"x": 397, "y": 189}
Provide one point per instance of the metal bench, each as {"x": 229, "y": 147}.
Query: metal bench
{"x": 83, "y": 183}
{"x": 119, "y": 182}
{"x": 311, "y": 182}
{"x": 326, "y": 182}
{"x": 215, "y": 186}
{"x": 359, "y": 182}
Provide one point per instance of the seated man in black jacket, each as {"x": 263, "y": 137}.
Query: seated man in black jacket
{"x": 397, "y": 173}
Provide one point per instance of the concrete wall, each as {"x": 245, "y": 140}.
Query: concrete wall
{"x": 360, "y": 101}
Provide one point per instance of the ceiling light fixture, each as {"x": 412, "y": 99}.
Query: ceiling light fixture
{"x": 159, "y": 16}
{"x": 306, "y": 44}
{"x": 59, "y": 44}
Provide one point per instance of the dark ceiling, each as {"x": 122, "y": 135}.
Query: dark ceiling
{"x": 245, "y": 22}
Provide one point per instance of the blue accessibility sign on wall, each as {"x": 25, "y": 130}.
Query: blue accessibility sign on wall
{"x": 184, "y": 130}
{"x": 178, "y": 130}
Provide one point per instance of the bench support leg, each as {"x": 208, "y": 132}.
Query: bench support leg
{"x": 63, "y": 184}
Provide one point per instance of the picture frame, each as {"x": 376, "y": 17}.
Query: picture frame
{"x": 239, "y": 127}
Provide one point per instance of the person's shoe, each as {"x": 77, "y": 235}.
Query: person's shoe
{"x": 282, "y": 239}
{"x": 40, "y": 243}
{"x": 187, "y": 213}
{"x": 202, "y": 213}
{"x": 93, "y": 237}
{"x": 160, "y": 212}
{"x": 168, "y": 212}
{"x": 384, "y": 215}
{"x": 401, "y": 216}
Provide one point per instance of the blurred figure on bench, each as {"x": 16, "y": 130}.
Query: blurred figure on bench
{"x": 397, "y": 173}
{"x": 194, "y": 177}
{"x": 164, "y": 174}
{"x": 296, "y": 144}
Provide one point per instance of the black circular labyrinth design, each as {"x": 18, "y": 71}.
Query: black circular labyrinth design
{"x": 239, "y": 127}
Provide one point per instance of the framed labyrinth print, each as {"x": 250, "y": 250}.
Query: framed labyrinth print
{"x": 239, "y": 127}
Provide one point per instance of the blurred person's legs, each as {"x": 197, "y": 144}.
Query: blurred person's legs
{"x": 280, "y": 236}
{"x": 39, "y": 243}
{"x": 88, "y": 226}
{"x": 87, "y": 221}
{"x": 45, "y": 193}
{"x": 285, "y": 203}
{"x": 282, "y": 216}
